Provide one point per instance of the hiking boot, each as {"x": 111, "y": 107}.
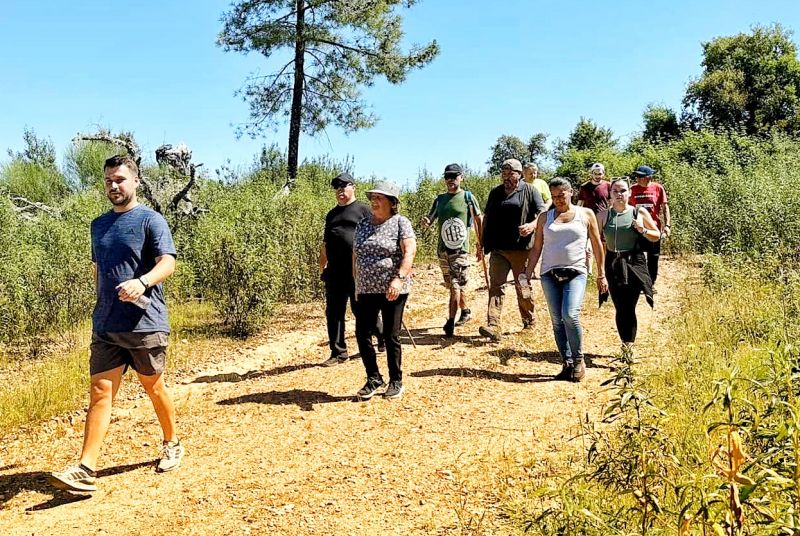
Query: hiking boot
{"x": 566, "y": 373}
{"x": 491, "y": 332}
{"x": 448, "y": 328}
{"x": 74, "y": 478}
{"x": 381, "y": 344}
{"x": 369, "y": 389}
{"x": 578, "y": 371}
{"x": 395, "y": 390}
{"x": 333, "y": 360}
{"x": 466, "y": 316}
{"x": 171, "y": 456}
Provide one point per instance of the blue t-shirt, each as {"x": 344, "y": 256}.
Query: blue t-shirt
{"x": 125, "y": 246}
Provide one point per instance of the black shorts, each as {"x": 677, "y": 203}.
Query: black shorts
{"x": 144, "y": 352}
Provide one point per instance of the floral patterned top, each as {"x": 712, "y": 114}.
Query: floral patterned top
{"x": 378, "y": 254}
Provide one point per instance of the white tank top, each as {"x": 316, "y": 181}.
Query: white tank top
{"x": 564, "y": 243}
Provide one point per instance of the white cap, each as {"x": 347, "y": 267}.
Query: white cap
{"x": 597, "y": 166}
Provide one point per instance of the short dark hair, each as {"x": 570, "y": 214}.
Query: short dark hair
{"x": 122, "y": 160}
{"x": 559, "y": 182}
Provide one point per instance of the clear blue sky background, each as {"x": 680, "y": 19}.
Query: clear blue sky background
{"x": 510, "y": 67}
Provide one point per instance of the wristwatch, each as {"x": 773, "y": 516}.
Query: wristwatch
{"x": 144, "y": 281}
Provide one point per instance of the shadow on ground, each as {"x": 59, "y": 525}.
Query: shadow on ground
{"x": 435, "y": 337}
{"x": 507, "y": 354}
{"x": 233, "y": 377}
{"x": 305, "y": 400}
{"x": 462, "y": 372}
{"x": 36, "y": 481}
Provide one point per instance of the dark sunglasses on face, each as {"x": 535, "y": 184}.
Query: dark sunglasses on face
{"x": 341, "y": 185}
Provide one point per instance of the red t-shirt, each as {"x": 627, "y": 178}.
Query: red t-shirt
{"x": 652, "y": 197}
{"x": 595, "y": 196}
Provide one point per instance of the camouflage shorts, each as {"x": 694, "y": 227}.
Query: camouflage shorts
{"x": 454, "y": 268}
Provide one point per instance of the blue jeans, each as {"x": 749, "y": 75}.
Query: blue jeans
{"x": 564, "y": 301}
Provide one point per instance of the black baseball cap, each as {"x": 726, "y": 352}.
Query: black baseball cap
{"x": 342, "y": 179}
{"x": 452, "y": 169}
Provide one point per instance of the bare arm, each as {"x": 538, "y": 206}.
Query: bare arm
{"x": 408, "y": 246}
{"x": 132, "y": 289}
{"x": 647, "y": 226}
{"x": 599, "y": 250}
{"x": 667, "y": 219}
{"x": 323, "y": 258}
{"x": 538, "y": 242}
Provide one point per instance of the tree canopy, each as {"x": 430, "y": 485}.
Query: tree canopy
{"x": 749, "y": 82}
{"x": 336, "y": 47}
{"x": 509, "y": 146}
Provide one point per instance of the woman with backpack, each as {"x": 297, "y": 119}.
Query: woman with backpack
{"x": 624, "y": 227}
{"x": 561, "y": 235}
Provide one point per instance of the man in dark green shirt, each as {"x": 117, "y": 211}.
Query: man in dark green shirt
{"x": 456, "y": 211}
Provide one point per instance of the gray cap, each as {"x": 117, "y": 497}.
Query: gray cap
{"x": 387, "y": 188}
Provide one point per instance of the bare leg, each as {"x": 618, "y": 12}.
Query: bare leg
{"x": 455, "y": 298}
{"x": 162, "y": 402}
{"x": 103, "y": 390}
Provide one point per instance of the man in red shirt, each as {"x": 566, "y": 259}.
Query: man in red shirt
{"x": 595, "y": 194}
{"x": 652, "y": 196}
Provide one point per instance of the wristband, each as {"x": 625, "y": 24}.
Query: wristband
{"x": 144, "y": 281}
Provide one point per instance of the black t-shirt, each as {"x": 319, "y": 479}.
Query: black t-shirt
{"x": 504, "y": 215}
{"x": 340, "y": 226}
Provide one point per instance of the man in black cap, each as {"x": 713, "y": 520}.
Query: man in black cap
{"x": 652, "y": 196}
{"x": 509, "y": 222}
{"x": 336, "y": 264}
{"x": 457, "y": 210}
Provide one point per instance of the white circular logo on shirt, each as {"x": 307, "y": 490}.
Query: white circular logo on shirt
{"x": 454, "y": 233}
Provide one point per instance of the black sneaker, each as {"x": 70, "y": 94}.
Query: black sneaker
{"x": 492, "y": 332}
{"x": 448, "y": 327}
{"x": 395, "y": 390}
{"x": 566, "y": 373}
{"x": 578, "y": 371}
{"x": 368, "y": 391}
{"x": 466, "y": 316}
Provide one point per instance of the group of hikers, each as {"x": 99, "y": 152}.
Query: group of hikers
{"x": 366, "y": 258}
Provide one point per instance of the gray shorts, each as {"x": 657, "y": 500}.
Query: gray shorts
{"x": 454, "y": 268}
{"x": 144, "y": 352}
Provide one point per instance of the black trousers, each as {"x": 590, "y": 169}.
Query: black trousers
{"x": 369, "y": 305}
{"x": 625, "y": 298}
{"x": 338, "y": 290}
{"x": 653, "y": 251}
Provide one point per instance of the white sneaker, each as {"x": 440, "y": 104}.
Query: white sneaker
{"x": 171, "y": 456}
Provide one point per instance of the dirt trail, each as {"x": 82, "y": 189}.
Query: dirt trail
{"x": 276, "y": 444}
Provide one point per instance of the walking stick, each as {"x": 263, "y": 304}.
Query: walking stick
{"x": 410, "y": 336}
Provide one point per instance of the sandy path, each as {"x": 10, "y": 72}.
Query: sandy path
{"x": 276, "y": 445}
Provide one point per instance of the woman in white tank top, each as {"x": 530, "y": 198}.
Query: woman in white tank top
{"x": 560, "y": 240}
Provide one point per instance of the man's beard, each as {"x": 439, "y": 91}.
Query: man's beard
{"x": 119, "y": 201}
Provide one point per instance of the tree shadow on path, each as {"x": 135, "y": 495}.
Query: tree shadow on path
{"x": 305, "y": 400}
{"x": 233, "y": 377}
{"x": 36, "y": 481}
{"x": 463, "y": 372}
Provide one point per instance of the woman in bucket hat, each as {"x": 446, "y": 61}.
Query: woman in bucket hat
{"x": 383, "y": 249}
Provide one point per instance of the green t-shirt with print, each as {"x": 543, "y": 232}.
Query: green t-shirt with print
{"x": 453, "y": 213}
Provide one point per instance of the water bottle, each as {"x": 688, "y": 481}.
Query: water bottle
{"x": 524, "y": 286}
{"x": 143, "y": 302}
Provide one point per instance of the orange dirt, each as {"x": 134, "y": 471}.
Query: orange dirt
{"x": 276, "y": 444}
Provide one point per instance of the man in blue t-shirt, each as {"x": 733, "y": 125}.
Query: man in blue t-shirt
{"x": 132, "y": 252}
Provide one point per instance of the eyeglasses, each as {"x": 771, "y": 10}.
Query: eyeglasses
{"x": 342, "y": 185}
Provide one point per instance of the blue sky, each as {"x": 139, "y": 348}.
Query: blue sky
{"x": 512, "y": 67}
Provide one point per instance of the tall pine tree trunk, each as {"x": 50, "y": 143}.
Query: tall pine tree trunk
{"x": 297, "y": 95}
